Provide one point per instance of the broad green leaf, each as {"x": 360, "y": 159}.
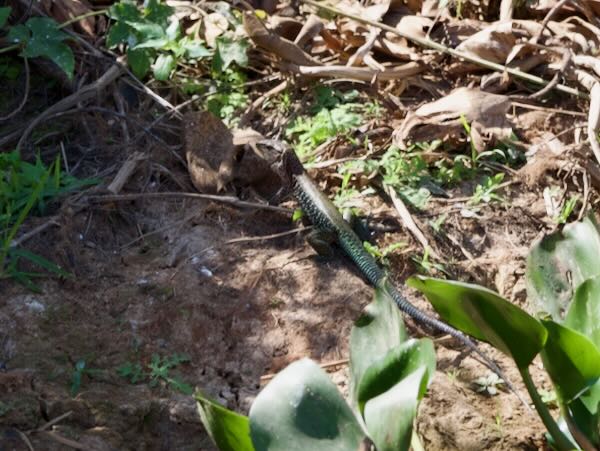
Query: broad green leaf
{"x": 18, "y": 34}
{"x": 163, "y": 66}
{"x": 158, "y": 43}
{"x": 47, "y": 41}
{"x": 118, "y": 34}
{"x": 571, "y": 360}
{"x": 173, "y": 30}
{"x": 301, "y": 409}
{"x": 559, "y": 263}
{"x": 398, "y": 364}
{"x": 228, "y": 51}
{"x": 379, "y": 329}
{"x": 125, "y": 11}
{"x": 486, "y": 316}
{"x": 228, "y": 430}
{"x": 146, "y": 31}
{"x": 4, "y": 13}
{"x": 586, "y": 419}
{"x": 195, "y": 50}
{"x": 158, "y": 12}
{"x": 140, "y": 62}
{"x": 584, "y": 311}
{"x": 389, "y": 417}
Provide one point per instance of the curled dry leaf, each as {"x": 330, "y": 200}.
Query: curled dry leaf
{"x": 273, "y": 43}
{"x": 485, "y": 112}
{"x": 215, "y": 24}
{"x": 209, "y": 151}
{"x": 493, "y": 43}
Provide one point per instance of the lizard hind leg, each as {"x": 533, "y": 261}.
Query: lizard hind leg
{"x": 321, "y": 241}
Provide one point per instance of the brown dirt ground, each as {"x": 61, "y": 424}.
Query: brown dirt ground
{"x": 239, "y": 311}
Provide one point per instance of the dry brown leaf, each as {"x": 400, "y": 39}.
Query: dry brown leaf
{"x": 63, "y": 10}
{"x": 215, "y": 24}
{"x": 209, "y": 151}
{"x": 493, "y": 43}
{"x": 485, "y": 112}
{"x": 273, "y": 43}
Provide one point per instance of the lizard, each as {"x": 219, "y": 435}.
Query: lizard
{"x": 329, "y": 223}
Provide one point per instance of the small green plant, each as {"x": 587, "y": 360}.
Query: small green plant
{"x": 333, "y": 114}
{"x": 487, "y": 191}
{"x": 489, "y": 384}
{"x": 157, "y": 372}
{"x": 382, "y": 254}
{"x": 302, "y": 409}
{"x": 438, "y": 222}
{"x": 77, "y": 376}
{"x": 39, "y": 37}
{"x": 566, "y": 210}
{"x": 563, "y": 286}
{"x": 155, "y": 41}
{"x": 25, "y": 189}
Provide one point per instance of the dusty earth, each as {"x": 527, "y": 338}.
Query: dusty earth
{"x": 240, "y": 311}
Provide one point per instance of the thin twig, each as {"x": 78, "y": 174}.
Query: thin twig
{"x": 231, "y": 200}
{"x": 408, "y": 221}
{"x": 425, "y": 42}
{"x": 52, "y": 422}
{"x": 268, "y": 237}
{"x": 25, "y": 95}
{"x": 83, "y": 94}
{"x": 553, "y": 10}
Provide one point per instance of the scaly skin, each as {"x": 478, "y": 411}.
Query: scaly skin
{"x": 325, "y": 217}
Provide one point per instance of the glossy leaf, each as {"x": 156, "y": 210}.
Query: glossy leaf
{"x": 559, "y": 263}
{"x": 46, "y": 40}
{"x": 228, "y": 51}
{"x": 571, "y": 360}
{"x": 398, "y": 364}
{"x": 389, "y": 416}
{"x": 486, "y": 316}
{"x": 140, "y": 61}
{"x": 584, "y": 311}
{"x": 301, "y": 409}
{"x": 163, "y": 66}
{"x": 228, "y": 430}
{"x": 379, "y": 329}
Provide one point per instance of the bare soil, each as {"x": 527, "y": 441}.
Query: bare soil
{"x": 240, "y": 311}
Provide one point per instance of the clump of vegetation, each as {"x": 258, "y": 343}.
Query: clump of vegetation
{"x": 302, "y": 409}
{"x": 28, "y": 188}
{"x": 157, "y": 372}
{"x": 563, "y": 281}
{"x": 333, "y": 114}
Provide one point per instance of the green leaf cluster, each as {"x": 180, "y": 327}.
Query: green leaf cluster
{"x": 40, "y": 37}
{"x": 302, "y": 409}
{"x": 158, "y": 370}
{"x": 563, "y": 277}
{"x": 155, "y": 41}
{"x": 333, "y": 114}
{"x": 27, "y": 188}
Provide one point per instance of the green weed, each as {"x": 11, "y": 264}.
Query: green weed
{"x": 333, "y": 114}
{"x": 157, "y": 371}
{"x": 77, "y": 376}
{"x": 487, "y": 191}
{"x": 25, "y": 189}
{"x": 566, "y": 210}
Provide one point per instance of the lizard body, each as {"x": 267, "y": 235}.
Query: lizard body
{"x": 326, "y": 218}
